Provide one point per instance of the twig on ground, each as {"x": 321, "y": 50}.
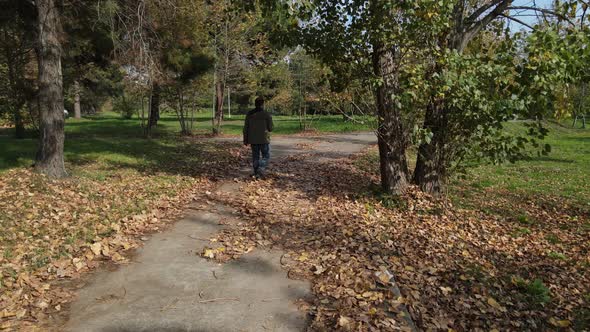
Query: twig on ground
{"x": 220, "y": 299}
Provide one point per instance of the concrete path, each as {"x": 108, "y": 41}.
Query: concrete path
{"x": 330, "y": 146}
{"x": 169, "y": 287}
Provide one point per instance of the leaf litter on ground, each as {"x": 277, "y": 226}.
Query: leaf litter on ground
{"x": 57, "y": 230}
{"x": 457, "y": 269}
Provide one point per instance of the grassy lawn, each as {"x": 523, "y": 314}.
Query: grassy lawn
{"x": 564, "y": 173}
{"x": 108, "y": 137}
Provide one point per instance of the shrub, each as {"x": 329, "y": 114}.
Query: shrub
{"x": 125, "y": 106}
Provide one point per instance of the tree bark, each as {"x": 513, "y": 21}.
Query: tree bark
{"x": 19, "y": 124}
{"x": 77, "y": 109}
{"x": 431, "y": 164}
{"x": 434, "y": 157}
{"x": 218, "y": 107}
{"x": 154, "y": 109}
{"x": 391, "y": 135}
{"x": 50, "y": 157}
{"x": 15, "y": 82}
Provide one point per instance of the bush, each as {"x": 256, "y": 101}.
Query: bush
{"x": 125, "y": 106}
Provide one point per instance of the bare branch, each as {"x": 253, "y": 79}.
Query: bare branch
{"x": 512, "y": 18}
{"x": 542, "y": 10}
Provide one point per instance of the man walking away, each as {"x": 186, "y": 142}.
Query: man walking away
{"x": 257, "y": 127}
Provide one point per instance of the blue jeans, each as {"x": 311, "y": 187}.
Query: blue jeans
{"x": 258, "y": 163}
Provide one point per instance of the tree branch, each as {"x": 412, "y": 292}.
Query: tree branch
{"x": 473, "y": 17}
{"x": 542, "y": 10}
{"x": 474, "y": 29}
{"x": 517, "y": 21}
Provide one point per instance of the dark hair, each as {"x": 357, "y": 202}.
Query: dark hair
{"x": 259, "y": 102}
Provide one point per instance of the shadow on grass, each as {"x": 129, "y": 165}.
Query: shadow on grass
{"x": 547, "y": 158}
{"x": 173, "y": 155}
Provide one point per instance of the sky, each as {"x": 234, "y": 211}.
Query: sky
{"x": 528, "y": 16}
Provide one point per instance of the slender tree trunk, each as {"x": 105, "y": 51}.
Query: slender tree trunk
{"x": 391, "y": 135}
{"x": 431, "y": 164}
{"x": 77, "y": 109}
{"x": 228, "y": 103}
{"x": 154, "y": 109}
{"x": 19, "y": 124}
{"x": 16, "y": 90}
{"x": 218, "y": 107}
{"x": 50, "y": 157}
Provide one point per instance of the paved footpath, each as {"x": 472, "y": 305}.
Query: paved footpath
{"x": 168, "y": 287}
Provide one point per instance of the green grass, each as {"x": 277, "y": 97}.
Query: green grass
{"x": 556, "y": 255}
{"x": 565, "y": 172}
{"x": 520, "y": 232}
{"x": 109, "y": 138}
{"x": 535, "y": 292}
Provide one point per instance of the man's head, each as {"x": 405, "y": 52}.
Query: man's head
{"x": 259, "y": 103}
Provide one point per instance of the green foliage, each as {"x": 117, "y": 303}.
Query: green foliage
{"x": 520, "y": 232}
{"x": 556, "y": 255}
{"x": 87, "y": 57}
{"x": 554, "y": 59}
{"x": 126, "y": 106}
{"x": 186, "y": 64}
{"x": 534, "y": 291}
{"x": 552, "y": 238}
{"x": 525, "y": 220}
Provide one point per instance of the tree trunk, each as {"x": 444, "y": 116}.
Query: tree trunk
{"x": 154, "y": 109}
{"x": 431, "y": 164}
{"x": 391, "y": 135}
{"x": 77, "y": 109}
{"x": 19, "y": 124}
{"x": 15, "y": 82}
{"x": 50, "y": 157}
{"x": 218, "y": 107}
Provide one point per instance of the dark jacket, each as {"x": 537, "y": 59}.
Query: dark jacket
{"x": 257, "y": 127}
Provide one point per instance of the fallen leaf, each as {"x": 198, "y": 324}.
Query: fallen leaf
{"x": 559, "y": 323}
{"x": 96, "y": 247}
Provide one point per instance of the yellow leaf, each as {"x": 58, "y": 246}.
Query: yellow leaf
{"x": 343, "y": 321}
{"x": 106, "y": 252}
{"x": 494, "y": 303}
{"x": 96, "y": 248}
{"x": 209, "y": 253}
{"x": 446, "y": 290}
{"x": 559, "y": 323}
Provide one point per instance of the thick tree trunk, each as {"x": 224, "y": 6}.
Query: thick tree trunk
{"x": 392, "y": 137}
{"x": 431, "y": 165}
{"x": 77, "y": 109}
{"x": 217, "y": 120}
{"x": 50, "y": 157}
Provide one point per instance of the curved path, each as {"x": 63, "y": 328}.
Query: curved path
{"x": 170, "y": 287}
